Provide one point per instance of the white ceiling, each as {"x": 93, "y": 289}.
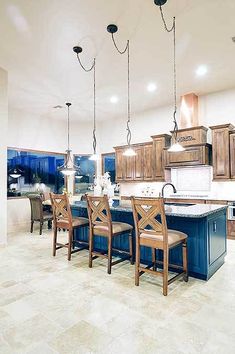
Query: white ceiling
{"x": 37, "y": 38}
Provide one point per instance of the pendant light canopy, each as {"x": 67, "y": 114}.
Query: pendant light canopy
{"x": 113, "y": 29}
{"x": 175, "y": 146}
{"x": 78, "y": 50}
{"x": 68, "y": 168}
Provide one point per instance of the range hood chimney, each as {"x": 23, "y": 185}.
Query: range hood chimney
{"x": 188, "y": 111}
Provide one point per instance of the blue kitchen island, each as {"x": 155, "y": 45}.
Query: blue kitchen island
{"x": 205, "y": 225}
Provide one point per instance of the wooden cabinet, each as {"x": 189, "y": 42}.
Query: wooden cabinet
{"x": 148, "y": 162}
{"x": 119, "y": 160}
{"x": 128, "y": 164}
{"x": 191, "y": 156}
{"x": 221, "y": 151}
{"x": 138, "y": 172}
{"x": 232, "y": 155}
{"x": 159, "y": 143}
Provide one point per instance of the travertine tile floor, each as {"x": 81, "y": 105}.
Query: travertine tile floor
{"x": 49, "y": 305}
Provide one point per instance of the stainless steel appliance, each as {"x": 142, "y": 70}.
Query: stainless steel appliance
{"x": 231, "y": 211}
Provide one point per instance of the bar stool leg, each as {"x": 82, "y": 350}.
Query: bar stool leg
{"x": 54, "y": 241}
{"x": 137, "y": 264}
{"x": 185, "y": 260}
{"x": 154, "y": 258}
{"x": 31, "y": 229}
{"x": 91, "y": 237}
{"x": 70, "y": 244}
{"x": 165, "y": 271}
{"x": 40, "y": 230}
{"x": 109, "y": 254}
{"x": 131, "y": 247}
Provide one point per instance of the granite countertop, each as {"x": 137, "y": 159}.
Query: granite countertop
{"x": 190, "y": 211}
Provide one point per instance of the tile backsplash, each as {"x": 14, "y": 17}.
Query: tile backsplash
{"x": 193, "y": 181}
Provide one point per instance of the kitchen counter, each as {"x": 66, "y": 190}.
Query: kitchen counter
{"x": 190, "y": 211}
{"x": 205, "y": 225}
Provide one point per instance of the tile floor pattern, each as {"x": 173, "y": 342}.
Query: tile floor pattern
{"x": 49, "y": 305}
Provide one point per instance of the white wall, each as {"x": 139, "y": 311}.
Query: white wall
{"x": 3, "y": 155}
{"x": 33, "y": 131}
{"x": 216, "y": 108}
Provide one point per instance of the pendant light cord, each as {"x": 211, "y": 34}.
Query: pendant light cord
{"x": 172, "y": 29}
{"x": 94, "y": 112}
{"x": 68, "y": 125}
{"x": 93, "y": 67}
{"x": 127, "y": 49}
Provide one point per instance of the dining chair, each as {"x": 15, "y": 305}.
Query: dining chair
{"x": 151, "y": 231}
{"x": 37, "y": 212}
{"x": 63, "y": 219}
{"x": 101, "y": 224}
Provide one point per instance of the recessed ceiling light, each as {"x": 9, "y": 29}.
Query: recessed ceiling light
{"x": 151, "y": 87}
{"x": 233, "y": 39}
{"x": 114, "y": 99}
{"x": 201, "y": 70}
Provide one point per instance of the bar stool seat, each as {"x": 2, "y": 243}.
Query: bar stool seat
{"x": 174, "y": 237}
{"x": 118, "y": 228}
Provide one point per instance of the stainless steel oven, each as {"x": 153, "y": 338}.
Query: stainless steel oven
{"x": 231, "y": 211}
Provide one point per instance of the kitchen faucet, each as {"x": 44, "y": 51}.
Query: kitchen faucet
{"x": 168, "y": 184}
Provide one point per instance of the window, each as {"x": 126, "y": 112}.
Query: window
{"x": 38, "y": 172}
{"x": 108, "y": 165}
{"x": 84, "y": 178}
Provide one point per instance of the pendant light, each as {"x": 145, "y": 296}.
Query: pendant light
{"x": 175, "y": 146}
{"x": 15, "y": 172}
{"x": 68, "y": 168}
{"x": 78, "y": 50}
{"x": 113, "y": 29}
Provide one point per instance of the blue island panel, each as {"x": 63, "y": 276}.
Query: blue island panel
{"x": 206, "y": 240}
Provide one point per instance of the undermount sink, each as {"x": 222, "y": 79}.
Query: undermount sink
{"x": 180, "y": 204}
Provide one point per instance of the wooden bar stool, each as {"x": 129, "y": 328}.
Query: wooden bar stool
{"x": 101, "y": 224}
{"x": 62, "y": 219}
{"x": 153, "y": 233}
{"x": 37, "y": 212}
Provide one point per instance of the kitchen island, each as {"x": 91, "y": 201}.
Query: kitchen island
{"x": 204, "y": 224}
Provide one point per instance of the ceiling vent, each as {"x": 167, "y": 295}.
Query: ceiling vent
{"x": 58, "y": 106}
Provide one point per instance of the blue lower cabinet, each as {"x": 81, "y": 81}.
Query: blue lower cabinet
{"x": 206, "y": 240}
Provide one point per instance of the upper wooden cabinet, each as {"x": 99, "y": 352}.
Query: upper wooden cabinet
{"x": 119, "y": 160}
{"x": 159, "y": 143}
{"x": 148, "y": 162}
{"x": 232, "y": 155}
{"x": 221, "y": 143}
{"x": 138, "y": 171}
{"x": 191, "y": 156}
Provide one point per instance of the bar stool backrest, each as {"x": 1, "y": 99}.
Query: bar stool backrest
{"x": 62, "y": 215}
{"x": 36, "y": 207}
{"x": 149, "y": 216}
{"x": 99, "y": 211}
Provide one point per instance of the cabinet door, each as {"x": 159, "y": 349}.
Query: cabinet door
{"x": 191, "y": 156}
{"x": 216, "y": 239}
{"x": 232, "y": 155}
{"x": 128, "y": 168}
{"x": 119, "y": 165}
{"x": 158, "y": 146}
{"x": 220, "y": 142}
{"x": 148, "y": 162}
{"x": 138, "y": 164}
